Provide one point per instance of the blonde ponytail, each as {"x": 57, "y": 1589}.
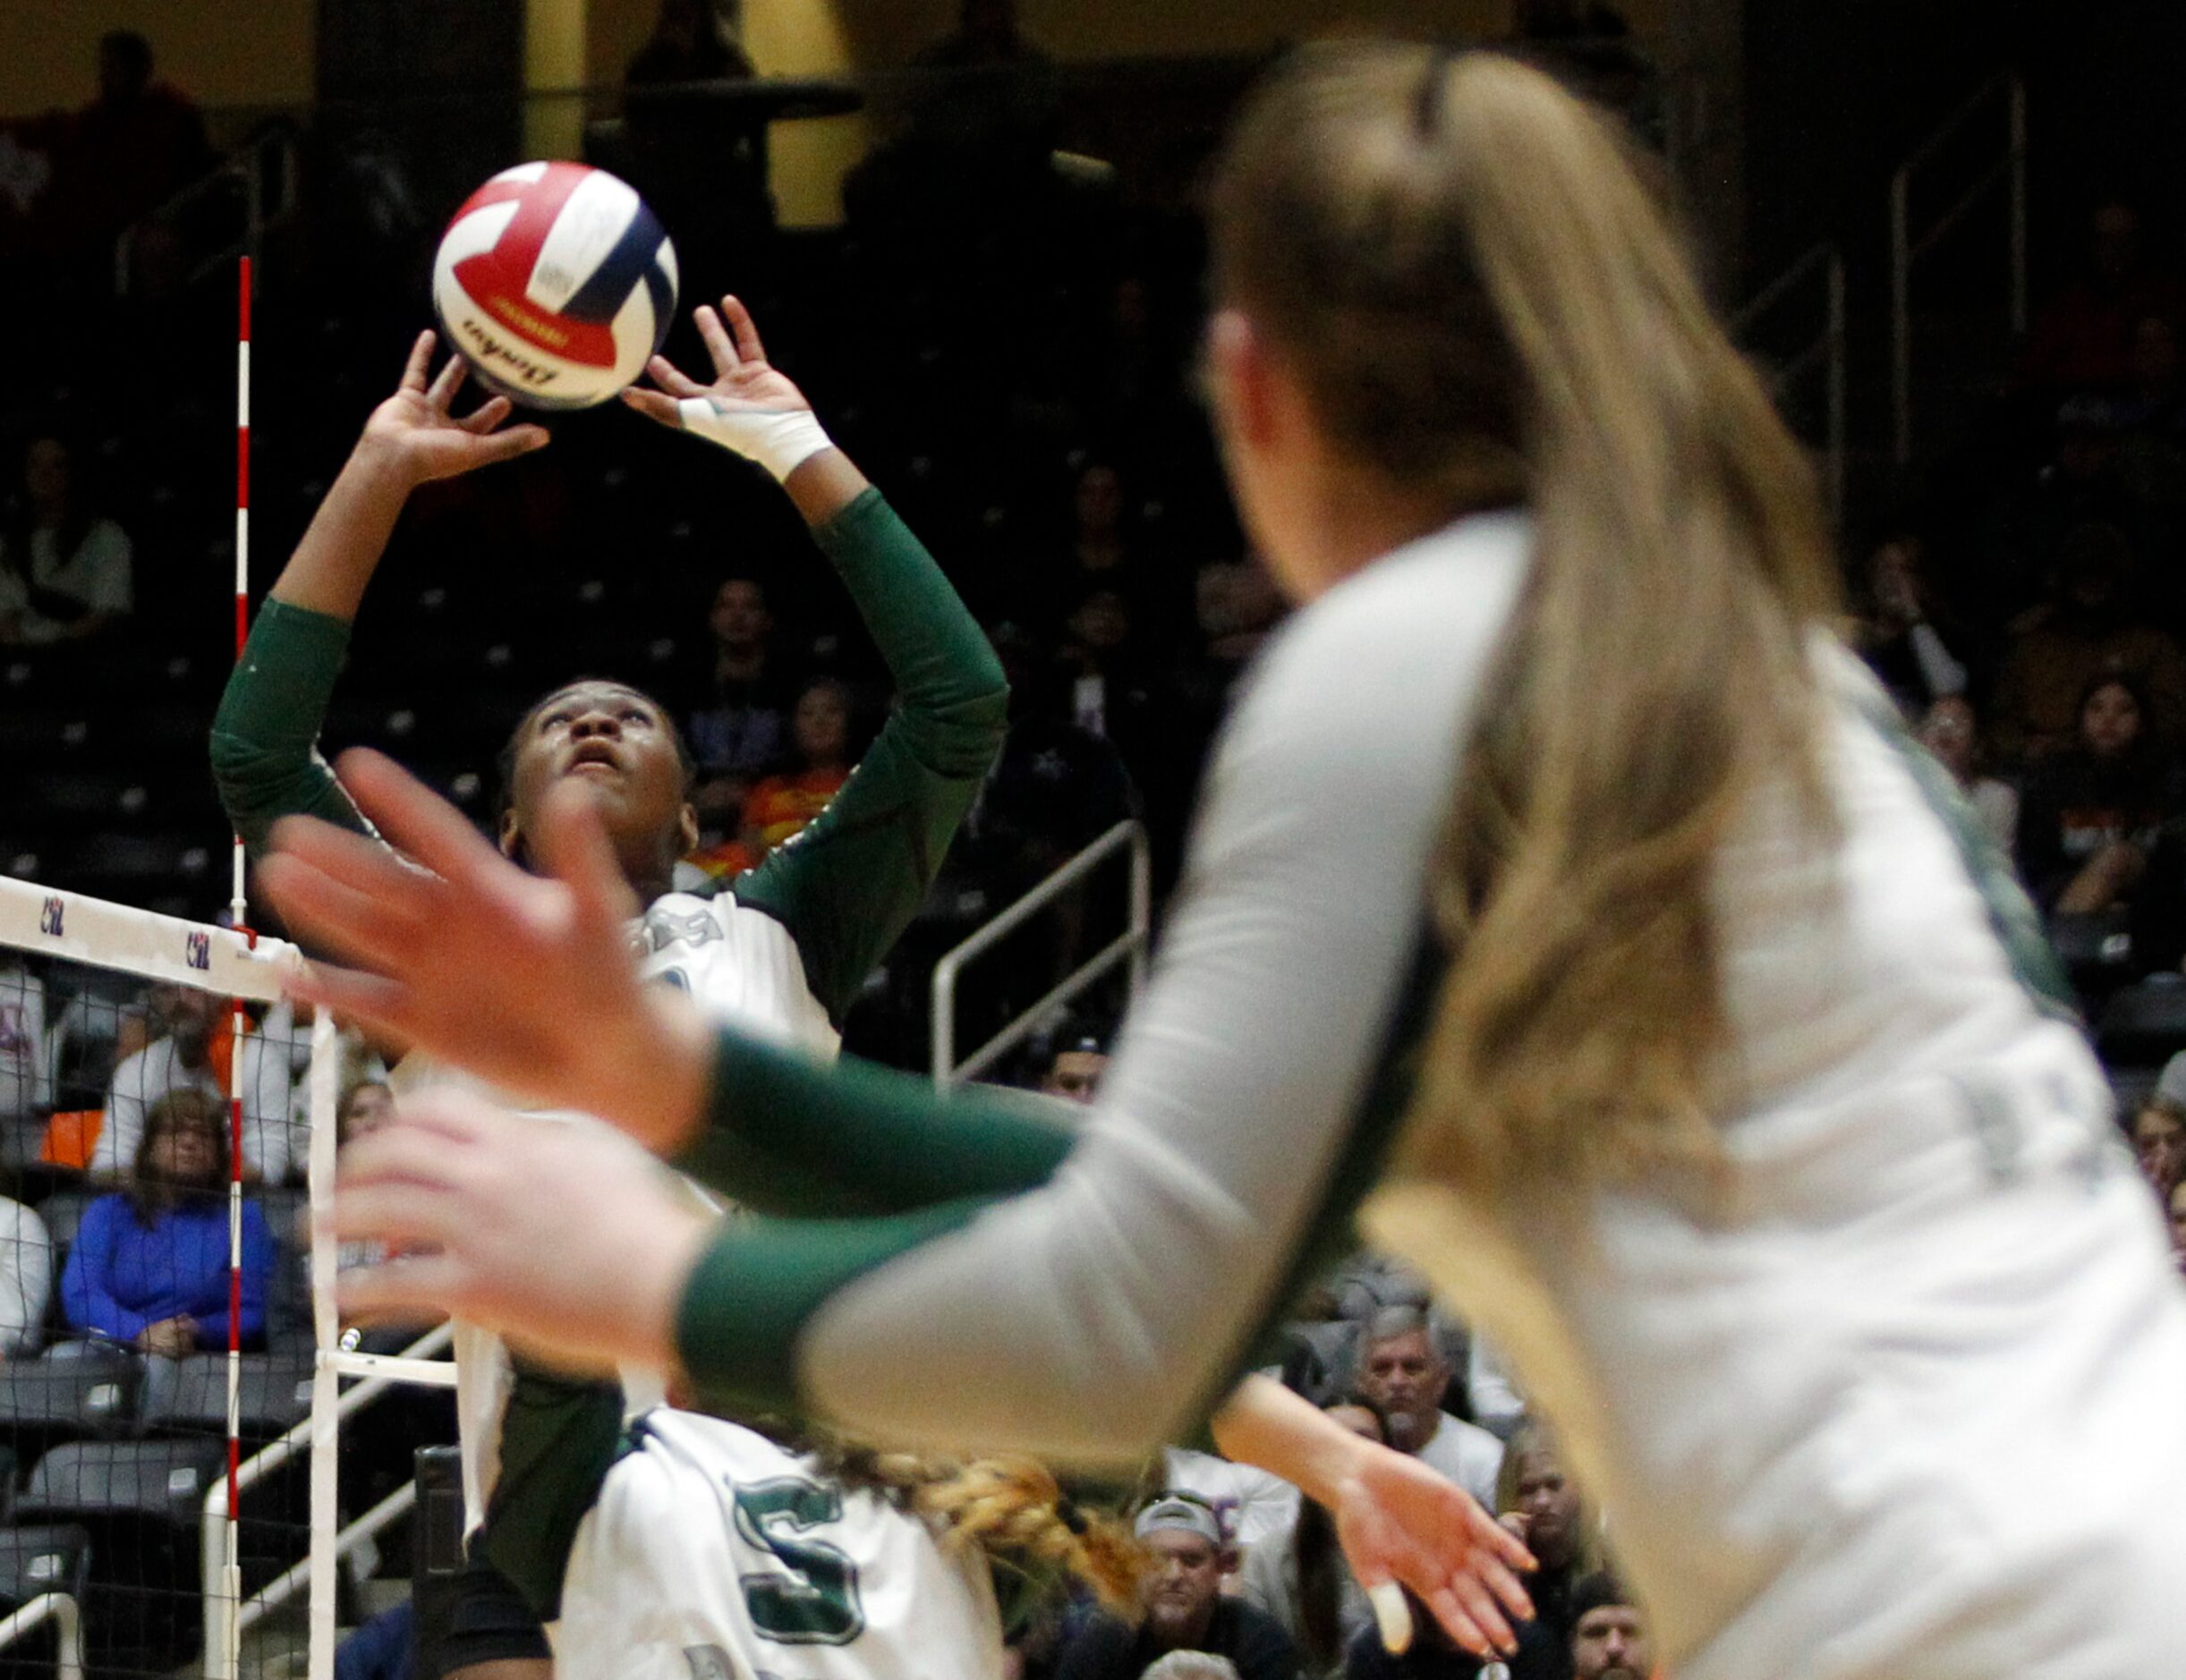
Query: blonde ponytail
{"x": 1466, "y": 269}
{"x": 1011, "y": 1509}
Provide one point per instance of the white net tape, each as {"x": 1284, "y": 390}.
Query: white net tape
{"x": 119, "y": 1236}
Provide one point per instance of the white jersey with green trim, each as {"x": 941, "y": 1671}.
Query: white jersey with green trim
{"x": 1903, "y": 1402}
{"x": 742, "y": 968}
{"x": 713, "y": 1554}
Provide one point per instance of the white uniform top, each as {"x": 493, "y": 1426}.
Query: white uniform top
{"x": 713, "y": 1554}
{"x": 1911, "y": 1404}
{"x": 741, "y": 967}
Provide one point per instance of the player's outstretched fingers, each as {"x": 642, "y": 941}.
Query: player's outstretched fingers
{"x": 719, "y": 345}
{"x": 1392, "y": 1617}
{"x": 654, "y": 405}
{"x": 334, "y": 912}
{"x": 672, "y": 379}
{"x": 419, "y": 821}
{"x": 741, "y": 325}
{"x": 485, "y": 416}
{"x": 406, "y": 1285}
{"x": 380, "y": 1007}
{"x": 443, "y": 389}
{"x": 420, "y": 362}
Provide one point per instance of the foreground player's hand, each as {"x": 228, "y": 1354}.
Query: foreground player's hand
{"x": 528, "y": 981}
{"x": 566, "y": 1238}
{"x": 752, "y": 409}
{"x": 416, "y": 435}
{"x": 1404, "y": 1525}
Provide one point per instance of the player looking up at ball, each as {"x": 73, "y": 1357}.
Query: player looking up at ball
{"x": 782, "y": 950}
{"x": 1567, "y": 898}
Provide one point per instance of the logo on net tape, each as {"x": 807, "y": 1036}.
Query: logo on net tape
{"x": 50, "y": 916}
{"x": 198, "y": 950}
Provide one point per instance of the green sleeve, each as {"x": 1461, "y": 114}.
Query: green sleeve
{"x": 850, "y": 883}
{"x": 747, "y": 1299}
{"x": 786, "y": 1135}
{"x": 559, "y": 1436}
{"x": 265, "y": 737}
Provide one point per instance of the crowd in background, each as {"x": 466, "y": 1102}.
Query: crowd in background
{"x": 1012, "y": 364}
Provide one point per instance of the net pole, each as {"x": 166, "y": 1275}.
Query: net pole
{"x": 231, "y": 1658}
{"x": 326, "y": 1327}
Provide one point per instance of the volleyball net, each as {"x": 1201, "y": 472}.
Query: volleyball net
{"x": 172, "y": 1367}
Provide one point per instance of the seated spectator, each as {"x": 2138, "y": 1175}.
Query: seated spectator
{"x": 1403, "y": 1375}
{"x": 1074, "y": 1068}
{"x": 737, "y": 723}
{"x": 1541, "y": 1504}
{"x": 26, "y": 1073}
{"x": 135, "y": 146}
{"x": 1184, "y": 1608}
{"x": 2084, "y": 632}
{"x": 1898, "y": 633}
{"x": 1253, "y": 1508}
{"x": 2082, "y": 339}
{"x": 191, "y": 1051}
{"x": 1608, "y": 1637}
{"x": 64, "y": 570}
{"x": 1303, "y": 1581}
{"x": 26, "y": 1277}
{"x": 2025, "y": 531}
{"x": 2152, "y": 456}
{"x": 2159, "y": 1128}
{"x": 2093, "y": 812}
{"x": 1953, "y": 732}
{"x": 781, "y": 805}
{"x": 149, "y": 1265}
{"x": 365, "y": 1106}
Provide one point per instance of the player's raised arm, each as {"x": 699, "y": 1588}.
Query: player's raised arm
{"x": 265, "y": 740}
{"x": 856, "y": 875}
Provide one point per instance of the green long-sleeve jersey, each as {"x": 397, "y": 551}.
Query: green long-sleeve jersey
{"x": 842, "y": 892}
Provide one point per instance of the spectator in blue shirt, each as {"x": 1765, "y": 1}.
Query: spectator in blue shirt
{"x": 149, "y": 1267}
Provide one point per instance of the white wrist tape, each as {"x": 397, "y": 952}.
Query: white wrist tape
{"x": 780, "y": 440}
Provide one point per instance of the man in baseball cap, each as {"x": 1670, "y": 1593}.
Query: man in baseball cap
{"x": 1184, "y": 1607}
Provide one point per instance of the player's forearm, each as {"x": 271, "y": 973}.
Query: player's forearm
{"x": 953, "y": 699}
{"x": 782, "y": 1134}
{"x": 342, "y": 547}
{"x": 1263, "y": 1424}
{"x": 821, "y": 487}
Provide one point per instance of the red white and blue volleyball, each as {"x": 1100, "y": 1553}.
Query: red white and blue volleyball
{"x": 556, "y": 283}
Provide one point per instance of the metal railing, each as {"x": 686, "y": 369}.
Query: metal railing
{"x": 1827, "y": 349}
{"x": 264, "y": 171}
{"x": 1907, "y": 248}
{"x": 1129, "y": 946}
{"x": 61, "y": 1610}
{"x": 228, "y": 1617}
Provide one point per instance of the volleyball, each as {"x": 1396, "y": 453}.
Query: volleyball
{"x": 556, "y": 283}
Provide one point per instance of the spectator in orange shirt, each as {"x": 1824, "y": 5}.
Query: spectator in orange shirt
{"x": 820, "y": 730}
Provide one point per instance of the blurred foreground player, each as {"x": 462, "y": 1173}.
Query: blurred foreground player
{"x": 1739, "y": 1108}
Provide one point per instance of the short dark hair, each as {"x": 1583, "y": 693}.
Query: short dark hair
{"x": 129, "y": 48}
{"x": 1597, "y": 1592}
{"x": 505, "y": 762}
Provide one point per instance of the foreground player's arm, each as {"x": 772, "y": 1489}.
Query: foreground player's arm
{"x": 1244, "y": 1116}
{"x": 265, "y": 739}
{"x": 850, "y": 883}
